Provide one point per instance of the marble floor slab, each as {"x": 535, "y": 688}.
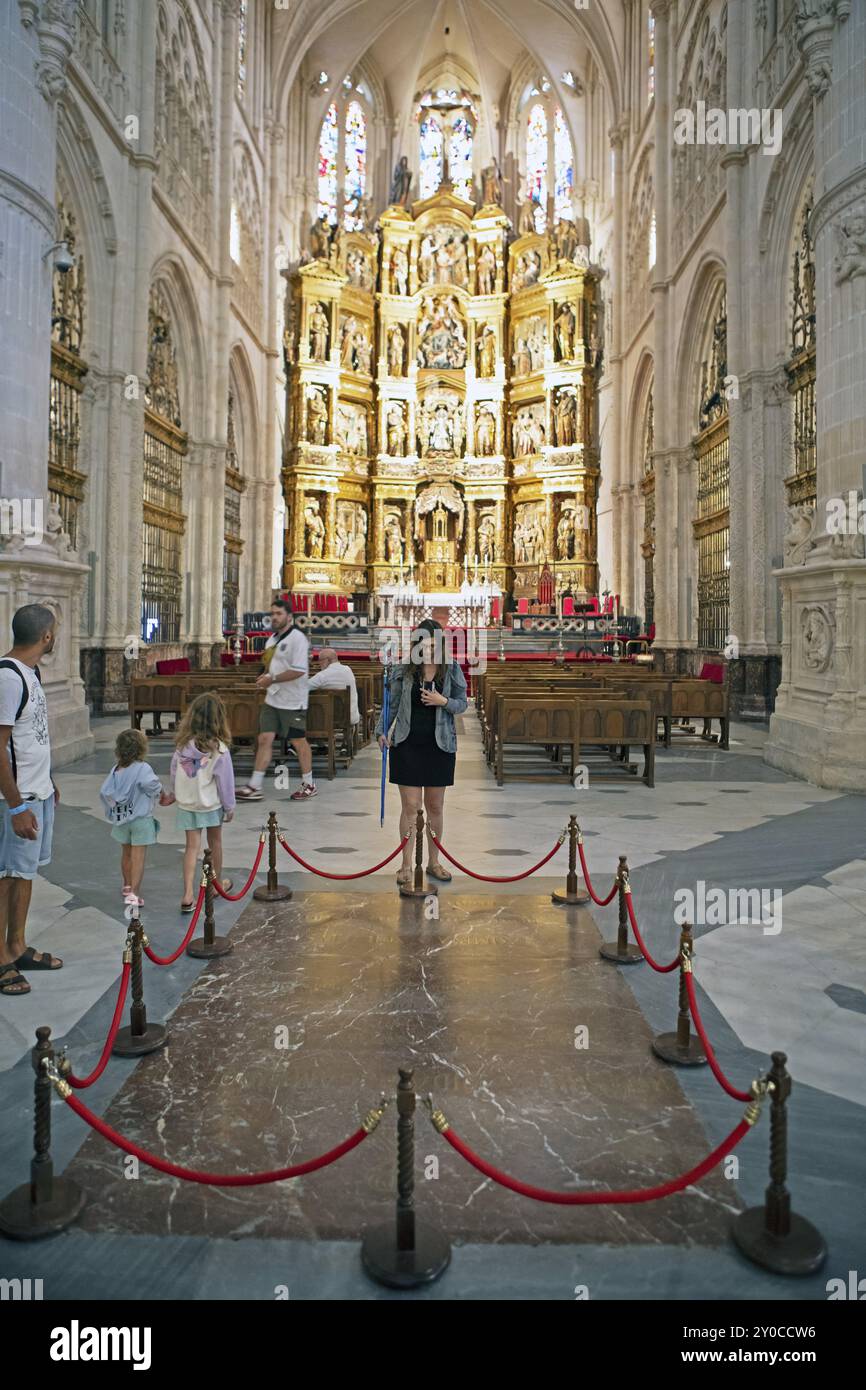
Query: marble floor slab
{"x": 280, "y": 1048}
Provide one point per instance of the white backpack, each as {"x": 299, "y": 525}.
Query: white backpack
{"x": 198, "y": 793}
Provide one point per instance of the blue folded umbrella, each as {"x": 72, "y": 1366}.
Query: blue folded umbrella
{"x": 386, "y": 719}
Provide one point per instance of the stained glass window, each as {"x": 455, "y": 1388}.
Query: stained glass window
{"x": 460, "y": 157}
{"x": 430, "y": 156}
{"x": 563, "y": 159}
{"x": 242, "y": 50}
{"x": 356, "y": 166}
{"x": 651, "y": 58}
{"x": 536, "y": 164}
{"x": 652, "y": 241}
{"x": 328, "y": 144}
{"x": 235, "y": 235}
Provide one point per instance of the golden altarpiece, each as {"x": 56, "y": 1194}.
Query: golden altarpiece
{"x": 442, "y": 404}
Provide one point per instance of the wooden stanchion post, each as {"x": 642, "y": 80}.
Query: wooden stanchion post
{"x": 210, "y": 945}
{"x": 622, "y": 951}
{"x": 418, "y": 889}
{"x": 773, "y": 1236}
{"x": 574, "y": 895}
{"x": 273, "y": 891}
{"x": 405, "y": 1253}
{"x": 45, "y": 1204}
{"x": 682, "y": 1048}
{"x": 140, "y": 1037}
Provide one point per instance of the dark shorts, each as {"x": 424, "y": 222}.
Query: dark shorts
{"x": 285, "y": 723}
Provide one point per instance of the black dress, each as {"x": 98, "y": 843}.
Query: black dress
{"x": 419, "y": 761}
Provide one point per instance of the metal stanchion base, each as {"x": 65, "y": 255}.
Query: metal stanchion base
{"x": 200, "y": 949}
{"x": 129, "y": 1044}
{"x": 405, "y": 1269}
{"x": 632, "y": 955}
{"x": 428, "y": 892}
{"x": 578, "y": 899}
{"x": 802, "y": 1251}
{"x": 23, "y": 1219}
{"x": 280, "y": 894}
{"x": 669, "y": 1049}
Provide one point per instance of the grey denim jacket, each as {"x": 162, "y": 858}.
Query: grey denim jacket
{"x": 400, "y": 687}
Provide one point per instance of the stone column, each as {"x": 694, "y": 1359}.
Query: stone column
{"x": 270, "y": 463}
{"x": 36, "y": 563}
{"x": 664, "y": 413}
{"x": 819, "y": 728}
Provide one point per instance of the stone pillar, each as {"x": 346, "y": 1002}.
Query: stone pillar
{"x": 37, "y": 42}
{"x": 664, "y": 412}
{"x": 819, "y": 728}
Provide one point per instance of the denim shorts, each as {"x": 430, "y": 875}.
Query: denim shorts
{"x": 24, "y": 858}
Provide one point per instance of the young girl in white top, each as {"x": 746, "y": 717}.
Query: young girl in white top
{"x": 204, "y": 786}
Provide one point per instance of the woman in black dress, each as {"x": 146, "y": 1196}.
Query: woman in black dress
{"x": 425, "y": 697}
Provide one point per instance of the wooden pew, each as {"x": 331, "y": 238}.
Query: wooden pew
{"x": 694, "y": 699}
{"x": 621, "y": 723}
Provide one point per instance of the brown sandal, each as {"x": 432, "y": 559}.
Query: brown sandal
{"x": 9, "y": 986}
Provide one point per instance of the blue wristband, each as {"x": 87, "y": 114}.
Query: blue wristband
{"x": 18, "y": 809}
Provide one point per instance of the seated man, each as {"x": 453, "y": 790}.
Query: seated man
{"x": 333, "y": 675}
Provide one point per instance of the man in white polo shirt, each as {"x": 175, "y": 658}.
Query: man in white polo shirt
{"x": 284, "y": 713}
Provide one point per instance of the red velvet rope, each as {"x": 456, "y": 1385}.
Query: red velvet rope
{"x": 236, "y": 897}
{"x": 362, "y": 873}
{"x": 212, "y": 1179}
{"x": 490, "y": 878}
{"x": 602, "y": 902}
{"x": 79, "y": 1082}
{"x": 662, "y": 969}
{"x": 708, "y": 1047}
{"x": 169, "y": 960}
{"x": 599, "y": 1199}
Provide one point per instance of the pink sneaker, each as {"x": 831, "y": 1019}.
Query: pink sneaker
{"x": 304, "y": 792}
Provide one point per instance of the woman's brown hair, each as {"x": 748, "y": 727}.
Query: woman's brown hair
{"x": 430, "y": 626}
{"x": 130, "y": 747}
{"x": 205, "y": 724}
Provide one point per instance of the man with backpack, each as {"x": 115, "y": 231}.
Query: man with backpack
{"x": 27, "y": 789}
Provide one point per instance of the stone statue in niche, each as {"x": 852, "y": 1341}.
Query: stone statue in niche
{"x": 401, "y": 183}
{"x": 317, "y": 418}
{"x": 491, "y": 185}
{"x": 487, "y": 539}
{"x": 400, "y": 271}
{"x": 798, "y": 542}
{"x": 314, "y": 528}
{"x": 565, "y": 325}
{"x": 486, "y": 269}
{"x": 521, "y": 360}
{"x": 485, "y": 432}
{"x": 321, "y": 237}
{"x": 341, "y": 541}
{"x": 351, "y": 544}
{"x": 564, "y": 240}
{"x": 358, "y": 270}
{"x": 817, "y": 635}
{"x": 352, "y": 427}
{"x": 529, "y": 535}
{"x": 526, "y": 217}
{"x": 363, "y": 350}
{"x": 319, "y": 331}
{"x": 442, "y": 257}
{"x": 396, "y": 349}
{"x": 526, "y": 271}
{"x": 487, "y": 352}
{"x": 528, "y": 431}
{"x": 565, "y": 420}
{"x": 442, "y": 341}
{"x": 393, "y": 539}
{"x": 347, "y": 343}
{"x": 565, "y": 533}
{"x": 850, "y": 259}
{"x": 440, "y": 423}
{"x": 396, "y": 430}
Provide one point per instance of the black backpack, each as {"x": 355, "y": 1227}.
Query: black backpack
{"x": 7, "y": 665}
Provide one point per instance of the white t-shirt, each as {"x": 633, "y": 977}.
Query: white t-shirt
{"x": 291, "y": 653}
{"x": 337, "y": 677}
{"x": 29, "y": 737}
